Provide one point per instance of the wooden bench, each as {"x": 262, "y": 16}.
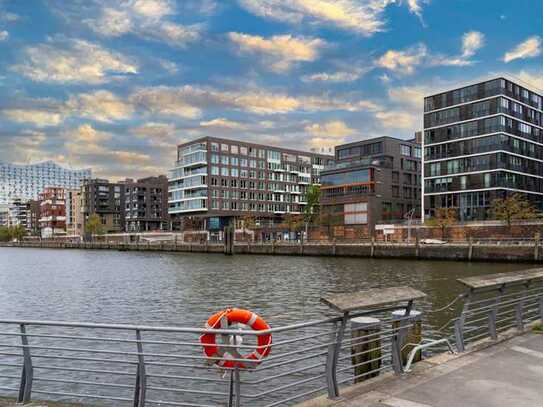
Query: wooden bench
{"x": 500, "y": 280}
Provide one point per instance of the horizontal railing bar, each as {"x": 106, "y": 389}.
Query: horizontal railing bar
{"x": 378, "y": 338}
{"x": 86, "y": 359}
{"x": 176, "y": 377}
{"x": 11, "y": 364}
{"x": 177, "y": 403}
{"x": 8, "y": 388}
{"x": 288, "y": 373}
{"x": 213, "y": 393}
{"x": 309, "y": 349}
{"x": 74, "y": 369}
{"x": 77, "y": 395}
{"x": 384, "y": 356}
{"x": 360, "y": 353}
{"x": 286, "y": 386}
{"x": 266, "y": 367}
{"x": 9, "y": 377}
{"x": 17, "y": 355}
{"x": 365, "y": 374}
{"x": 83, "y": 382}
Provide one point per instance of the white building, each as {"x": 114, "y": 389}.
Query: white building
{"x": 21, "y": 181}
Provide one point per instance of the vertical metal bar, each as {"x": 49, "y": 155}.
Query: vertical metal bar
{"x": 329, "y": 363}
{"x": 337, "y": 350}
{"x": 396, "y": 347}
{"x": 493, "y": 315}
{"x": 541, "y": 309}
{"x": 237, "y": 387}
{"x": 519, "y": 309}
{"x": 141, "y": 379}
{"x": 460, "y": 323}
{"x": 27, "y": 375}
{"x": 231, "y": 390}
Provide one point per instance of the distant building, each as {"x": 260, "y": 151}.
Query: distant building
{"x": 372, "y": 181}
{"x": 27, "y": 181}
{"x": 482, "y": 142}
{"x": 52, "y": 212}
{"x": 73, "y": 206}
{"x": 4, "y": 212}
{"x": 146, "y": 204}
{"x": 33, "y": 217}
{"x": 17, "y": 213}
{"x": 105, "y": 199}
{"x": 218, "y": 181}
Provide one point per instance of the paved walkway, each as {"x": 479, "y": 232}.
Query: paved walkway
{"x": 509, "y": 374}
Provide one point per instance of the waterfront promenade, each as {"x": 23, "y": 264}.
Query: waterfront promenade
{"x": 529, "y": 251}
{"x": 507, "y": 374}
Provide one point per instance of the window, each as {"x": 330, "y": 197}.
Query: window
{"x": 225, "y": 147}
{"x": 214, "y": 170}
{"x": 274, "y": 155}
{"x": 214, "y": 159}
{"x": 225, "y": 160}
{"x": 214, "y": 146}
{"x": 234, "y": 172}
{"x": 405, "y": 150}
{"x": 234, "y": 161}
{"x": 243, "y": 162}
{"x": 224, "y": 171}
{"x": 234, "y": 149}
{"x": 243, "y": 150}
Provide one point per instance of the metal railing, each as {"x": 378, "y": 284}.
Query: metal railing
{"x": 146, "y": 365}
{"x": 488, "y": 313}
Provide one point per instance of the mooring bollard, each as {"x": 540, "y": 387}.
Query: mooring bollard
{"x": 365, "y": 347}
{"x": 411, "y": 336}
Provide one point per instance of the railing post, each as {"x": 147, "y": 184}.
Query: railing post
{"x": 541, "y": 309}
{"x": 141, "y": 379}
{"x": 25, "y": 389}
{"x": 460, "y": 323}
{"x": 519, "y": 309}
{"x": 493, "y": 315}
{"x": 332, "y": 358}
{"x": 237, "y": 387}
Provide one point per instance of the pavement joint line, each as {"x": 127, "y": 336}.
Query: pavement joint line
{"x": 396, "y": 402}
{"x": 527, "y": 351}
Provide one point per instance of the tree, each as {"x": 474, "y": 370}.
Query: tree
{"x": 18, "y": 232}
{"x": 5, "y": 235}
{"x": 444, "y": 218}
{"x": 94, "y": 225}
{"x": 248, "y": 222}
{"x": 311, "y": 210}
{"x": 511, "y": 208}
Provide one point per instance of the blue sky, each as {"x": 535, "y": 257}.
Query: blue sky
{"x": 115, "y": 85}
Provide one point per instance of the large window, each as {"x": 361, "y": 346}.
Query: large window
{"x": 350, "y": 177}
{"x": 356, "y": 214}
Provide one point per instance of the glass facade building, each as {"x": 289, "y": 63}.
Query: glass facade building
{"x": 20, "y": 181}
{"x": 482, "y": 142}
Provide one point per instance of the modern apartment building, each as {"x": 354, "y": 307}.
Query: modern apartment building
{"x": 73, "y": 207}
{"x": 20, "y": 181}
{"x": 104, "y": 198}
{"x": 4, "y": 213}
{"x": 17, "y": 213}
{"x": 52, "y": 212}
{"x": 482, "y": 142}
{"x": 219, "y": 180}
{"x": 372, "y": 181}
{"x": 33, "y": 217}
{"x": 146, "y": 204}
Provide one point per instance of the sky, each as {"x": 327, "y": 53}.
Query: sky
{"x": 116, "y": 85}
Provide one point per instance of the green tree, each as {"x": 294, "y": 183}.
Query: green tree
{"x": 444, "y": 218}
{"x": 17, "y": 232}
{"x": 311, "y": 210}
{"x": 5, "y": 234}
{"x": 248, "y": 222}
{"x": 511, "y": 208}
{"x": 94, "y": 225}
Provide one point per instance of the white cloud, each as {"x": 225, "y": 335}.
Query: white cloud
{"x": 188, "y": 101}
{"x": 73, "y": 61}
{"x": 155, "y": 131}
{"x": 471, "y": 42}
{"x": 39, "y": 118}
{"x": 336, "y": 77}
{"x": 397, "y": 119}
{"x": 410, "y": 96}
{"x": 364, "y": 17}
{"x": 222, "y": 122}
{"x": 530, "y": 48}
{"x": 88, "y": 135}
{"x": 280, "y": 52}
{"x": 328, "y": 134}
{"x": 101, "y": 105}
{"x": 144, "y": 18}
{"x": 4, "y": 35}
{"x": 405, "y": 61}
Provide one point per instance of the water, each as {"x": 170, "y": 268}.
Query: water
{"x": 184, "y": 289}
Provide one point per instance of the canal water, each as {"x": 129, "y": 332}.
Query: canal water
{"x": 184, "y": 289}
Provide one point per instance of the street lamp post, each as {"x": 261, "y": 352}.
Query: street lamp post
{"x": 409, "y": 216}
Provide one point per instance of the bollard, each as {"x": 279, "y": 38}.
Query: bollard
{"x": 366, "y": 348}
{"x": 412, "y": 336}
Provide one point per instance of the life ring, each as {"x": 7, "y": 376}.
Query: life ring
{"x": 222, "y": 356}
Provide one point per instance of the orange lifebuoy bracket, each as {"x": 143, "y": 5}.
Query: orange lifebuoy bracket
{"x": 221, "y": 356}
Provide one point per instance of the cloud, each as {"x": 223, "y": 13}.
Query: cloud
{"x": 530, "y": 48}
{"x": 397, "y": 119}
{"x": 4, "y": 35}
{"x": 39, "y": 118}
{"x": 155, "y": 131}
{"x": 88, "y": 135}
{"x": 147, "y": 19}
{"x": 336, "y": 77}
{"x": 100, "y": 105}
{"x": 221, "y": 122}
{"x": 471, "y": 42}
{"x": 280, "y": 52}
{"x": 9, "y": 17}
{"x": 73, "y": 61}
{"x": 189, "y": 101}
{"x": 410, "y": 96}
{"x": 405, "y": 61}
{"x": 532, "y": 79}
{"x": 328, "y": 134}
{"x": 363, "y": 17}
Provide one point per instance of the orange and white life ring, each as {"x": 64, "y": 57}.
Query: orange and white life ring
{"x": 222, "y": 356}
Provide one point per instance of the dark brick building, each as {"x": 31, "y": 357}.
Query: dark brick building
{"x": 146, "y": 204}
{"x": 104, "y": 198}
{"x": 372, "y": 181}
